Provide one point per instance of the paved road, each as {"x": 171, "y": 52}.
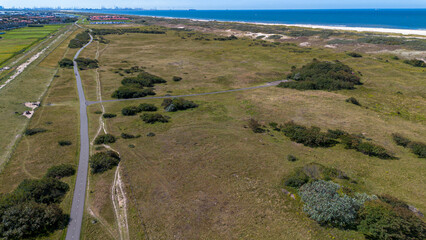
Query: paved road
{"x": 191, "y": 95}
{"x": 77, "y": 209}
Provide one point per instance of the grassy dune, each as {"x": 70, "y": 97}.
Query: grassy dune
{"x": 204, "y": 175}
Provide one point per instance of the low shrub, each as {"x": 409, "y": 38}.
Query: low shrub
{"x": 353, "y": 101}
{"x": 255, "y": 126}
{"x": 146, "y": 107}
{"x": 324, "y": 204}
{"x": 418, "y": 148}
{"x": 130, "y": 111}
{"x": 335, "y": 134}
{"x": 98, "y": 112}
{"x": 400, "y": 140}
{"x": 354, "y": 54}
{"x": 380, "y": 220}
{"x": 103, "y": 161}
{"x": 371, "y": 149}
{"x": 416, "y": 63}
{"x": 128, "y": 136}
{"x": 177, "y": 79}
{"x": 150, "y": 134}
{"x": 319, "y": 75}
{"x": 291, "y": 158}
{"x": 33, "y": 131}
{"x": 66, "y": 63}
{"x": 311, "y": 137}
{"x": 154, "y": 117}
{"x": 87, "y": 63}
{"x": 105, "y": 139}
{"x": 64, "y": 143}
{"x": 297, "y": 179}
{"x": 177, "y": 104}
{"x": 60, "y": 171}
{"x": 132, "y": 91}
{"x": 109, "y": 115}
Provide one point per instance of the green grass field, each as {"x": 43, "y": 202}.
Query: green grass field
{"x": 204, "y": 175}
{"x": 18, "y": 40}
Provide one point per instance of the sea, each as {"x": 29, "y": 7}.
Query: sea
{"x": 370, "y": 18}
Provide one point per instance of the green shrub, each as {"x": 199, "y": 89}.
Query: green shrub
{"x": 371, "y": 149}
{"x": 86, "y": 63}
{"x": 105, "y": 139}
{"x": 66, "y": 63}
{"x": 297, "y": 179}
{"x": 103, "y": 161}
{"x": 130, "y": 111}
{"x": 146, "y": 107}
{"x": 60, "y": 171}
{"x": 353, "y": 101}
{"x": 335, "y": 134}
{"x": 255, "y": 126}
{"x": 30, "y": 219}
{"x": 150, "y": 134}
{"x": 98, "y": 112}
{"x": 418, "y": 148}
{"x": 322, "y": 76}
{"x": 291, "y": 158}
{"x": 311, "y": 137}
{"x": 64, "y": 143}
{"x": 33, "y": 131}
{"x": 324, "y": 204}
{"x": 80, "y": 40}
{"x": 45, "y": 190}
{"x": 109, "y": 115}
{"x": 317, "y": 171}
{"x": 394, "y": 57}
{"x": 132, "y": 91}
{"x": 128, "y": 136}
{"x": 379, "y": 220}
{"x": 177, "y": 104}
{"x": 154, "y": 117}
{"x": 416, "y": 63}
{"x": 400, "y": 140}
{"x": 177, "y": 79}
{"x": 354, "y": 54}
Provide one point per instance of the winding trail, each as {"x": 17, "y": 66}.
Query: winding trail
{"x": 77, "y": 208}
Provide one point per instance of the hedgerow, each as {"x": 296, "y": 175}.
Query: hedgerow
{"x": 312, "y": 137}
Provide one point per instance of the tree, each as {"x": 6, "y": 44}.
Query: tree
{"x": 45, "y": 190}
{"x": 60, "y": 171}
{"x": 103, "y": 161}
{"x": 66, "y": 63}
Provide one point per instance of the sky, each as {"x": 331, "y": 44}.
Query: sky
{"x": 218, "y": 4}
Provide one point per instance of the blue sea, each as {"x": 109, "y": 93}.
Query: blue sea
{"x": 373, "y": 18}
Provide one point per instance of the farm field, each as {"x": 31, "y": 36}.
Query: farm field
{"x": 206, "y": 175}
{"x": 19, "y": 40}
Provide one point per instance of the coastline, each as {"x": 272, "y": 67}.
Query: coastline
{"x": 405, "y": 32}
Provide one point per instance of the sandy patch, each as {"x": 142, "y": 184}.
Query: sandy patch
{"x": 305, "y": 44}
{"x": 33, "y": 106}
{"x": 330, "y": 46}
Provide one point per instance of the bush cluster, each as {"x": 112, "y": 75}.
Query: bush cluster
{"x": 64, "y": 143}
{"x": 319, "y": 75}
{"x": 60, "y": 171}
{"x": 177, "y": 104}
{"x": 87, "y": 63}
{"x": 66, "y": 63}
{"x": 128, "y": 136}
{"x": 417, "y": 148}
{"x": 353, "y": 101}
{"x": 139, "y": 86}
{"x": 109, "y": 115}
{"x": 351, "y": 141}
{"x": 177, "y": 79}
{"x": 354, "y": 54}
{"x": 143, "y": 107}
{"x": 103, "y": 161}
{"x": 255, "y": 126}
{"x": 312, "y": 137}
{"x": 105, "y": 139}
{"x": 33, "y": 131}
{"x": 80, "y": 40}
{"x": 383, "y": 220}
{"x": 154, "y": 117}
{"x": 31, "y": 209}
{"x": 416, "y": 63}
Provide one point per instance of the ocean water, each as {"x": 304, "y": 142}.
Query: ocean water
{"x": 373, "y": 18}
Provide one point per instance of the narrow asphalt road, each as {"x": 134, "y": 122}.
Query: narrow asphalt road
{"x": 191, "y": 95}
{"x": 77, "y": 208}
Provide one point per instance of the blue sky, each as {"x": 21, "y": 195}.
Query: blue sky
{"x": 220, "y": 4}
